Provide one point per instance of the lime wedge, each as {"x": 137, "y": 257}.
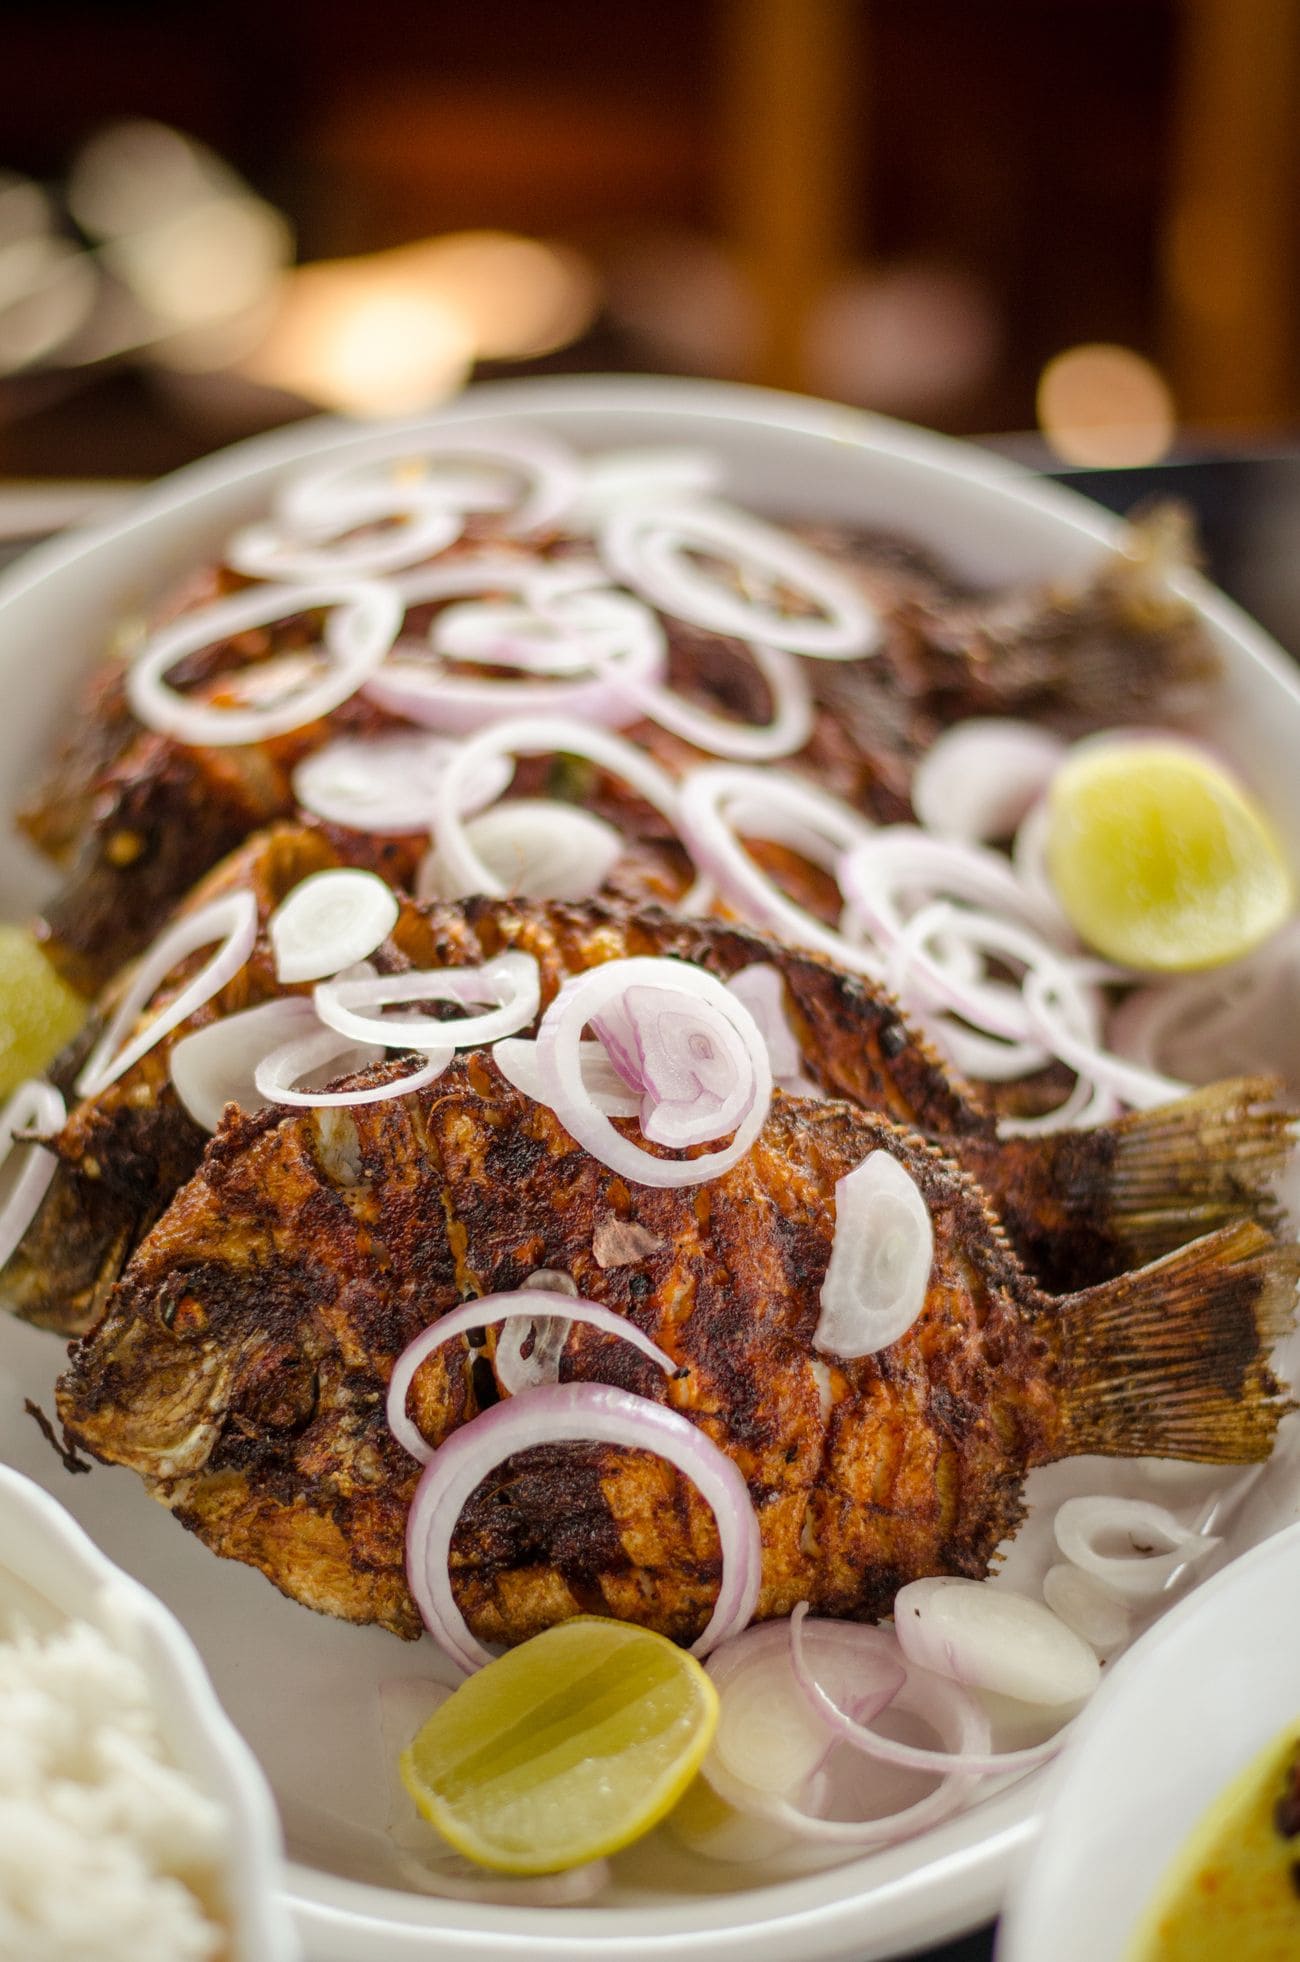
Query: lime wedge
{"x": 564, "y": 1749}
{"x": 1160, "y": 858}
{"x": 39, "y": 1012}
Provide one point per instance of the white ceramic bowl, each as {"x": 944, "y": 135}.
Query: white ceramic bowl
{"x": 50, "y": 1573}
{"x": 1187, "y": 1708}
{"x": 305, "y": 1690}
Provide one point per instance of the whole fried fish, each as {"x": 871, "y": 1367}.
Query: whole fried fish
{"x": 242, "y": 1363}
{"x": 1078, "y": 1206}
{"x": 135, "y": 817}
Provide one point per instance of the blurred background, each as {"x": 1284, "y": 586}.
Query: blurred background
{"x": 1069, "y": 225}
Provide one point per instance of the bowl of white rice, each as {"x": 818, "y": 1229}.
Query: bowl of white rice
{"x": 135, "y": 1824}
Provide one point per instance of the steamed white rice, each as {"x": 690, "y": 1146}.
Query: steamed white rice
{"x": 107, "y": 1850}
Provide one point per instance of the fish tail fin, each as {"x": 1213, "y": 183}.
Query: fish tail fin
{"x": 1172, "y": 1361}
{"x": 1085, "y": 1205}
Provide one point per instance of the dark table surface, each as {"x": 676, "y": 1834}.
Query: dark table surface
{"x": 1246, "y": 509}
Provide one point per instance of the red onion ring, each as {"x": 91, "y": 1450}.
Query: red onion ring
{"x": 359, "y": 630}
{"x": 574, "y": 1413}
{"x": 534, "y": 736}
{"x": 512, "y": 981}
{"x": 34, "y": 1105}
{"x": 324, "y": 1049}
{"x": 653, "y": 548}
{"x": 771, "y": 799}
{"x": 582, "y": 999}
{"x": 928, "y": 1693}
{"x": 233, "y": 920}
{"x": 519, "y": 1304}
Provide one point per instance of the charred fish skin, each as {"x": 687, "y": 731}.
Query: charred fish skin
{"x": 1078, "y": 1206}
{"x": 242, "y": 1364}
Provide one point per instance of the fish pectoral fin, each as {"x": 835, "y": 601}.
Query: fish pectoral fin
{"x": 1172, "y": 1360}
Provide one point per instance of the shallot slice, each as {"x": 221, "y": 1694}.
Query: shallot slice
{"x": 527, "y": 1305}
{"x": 881, "y": 1256}
{"x": 534, "y": 847}
{"x": 1143, "y": 1572}
{"x": 34, "y": 1106}
{"x": 329, "y": 921}
{"x": 656, "y": 549}
{"x": 360, "y": 627}
{"x": 574, "y": 1413}
{"x": 231, "y": 919}
{"x": 979, "y": 778}
{"x": 993, "y": 1639}
{"x": 731, "y": 1043}
{"x": 511, "y": 982}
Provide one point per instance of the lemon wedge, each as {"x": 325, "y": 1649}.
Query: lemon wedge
{"x": 564, "y": 1749}
{"x": 1160, "y": 858}
{"x": 39, "y": 1012}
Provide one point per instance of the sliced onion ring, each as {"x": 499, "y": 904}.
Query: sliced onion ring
{"x": 932, "y": 1695}
{"x": 534, "y": 736}
{"x": 512, "y": 981}
{"x": 550, "y": 472}
{"x": 360, "y": 628}
{"x": 539, "y": 848}
{"x": 329, "y": 921}
{"x": 721, "y": 735}
{"x": 322, "y": 549}
{"x": 311, "y": 1055}
{"x": 980, "y": 777}
{"x": 516, "y": 1372}
{"x": 1140, "y": 1576}
{"x": 384, "y": 784}
{"x": 583, "y": 999}
{"x": 516, "y": 1059}
{"x": 881, "y": 1256}
{"x": 993, "y": 1639}
{"x": 526, "y": 1304}
{"x": 213, "y": 1066}
{"x": 34, "y": 1106}
{"x": 232, "y": 919}
{"x": 573, "y": 1413}
{"x": 654, "y": 548}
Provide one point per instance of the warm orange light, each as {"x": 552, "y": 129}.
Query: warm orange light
{"x": 1105, "y": 406}
{"x": 519, "y": 297}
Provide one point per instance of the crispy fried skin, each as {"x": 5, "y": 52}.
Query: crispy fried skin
{"x": 1078, "y": 1206}
{"x": 242, "y": 1363}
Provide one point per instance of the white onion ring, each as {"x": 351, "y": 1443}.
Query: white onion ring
{"x": 582, "y": 999}
{"x": 979, "y": 778}
{"x": 721, "y": 735}
{"x": 775, "y": 805}
{"x": 1144, "y": 1089}
{"x": 873, "y": 1293}
{"x": 534, "y": 736}
{"x": 512, "y": 981}
{"x": 1080, "y": 1522}
{"x": 516, "y": 1058}
{"x": 323, "y": 550}
{"x": 233, "y": 920}
{"x": 616, "y": 478}
{"x": 526, "y": 1304}
{"x": 538, "y": 848}
{"x": 1087, "y": 1605}
{"x": 214, "y": 1066}
{"x": 34, "y": 1106}
{"x": 516, "y": 1372}
{"x": 383, "y": 784}
{"x": 324, "y": 1049}
{"x": 359, "y": 630}
{"x": 551, "y": 473}
{"x": 761, "y": 987}
{"x": 650, "y": 547}
{"x": 930, "y": 1691}
{"x": 330, "y": 920}
{"x": 574, "y": 1413}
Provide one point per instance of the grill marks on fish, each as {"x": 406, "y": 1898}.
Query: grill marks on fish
{"x": 242, "y": 1364}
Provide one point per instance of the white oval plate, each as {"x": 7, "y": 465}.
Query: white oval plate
{"x": 303, "y": 1689}
{"x": 1187, "y": 1708}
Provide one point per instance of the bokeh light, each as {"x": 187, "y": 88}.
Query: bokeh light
{"x": 1105, "y": 407}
